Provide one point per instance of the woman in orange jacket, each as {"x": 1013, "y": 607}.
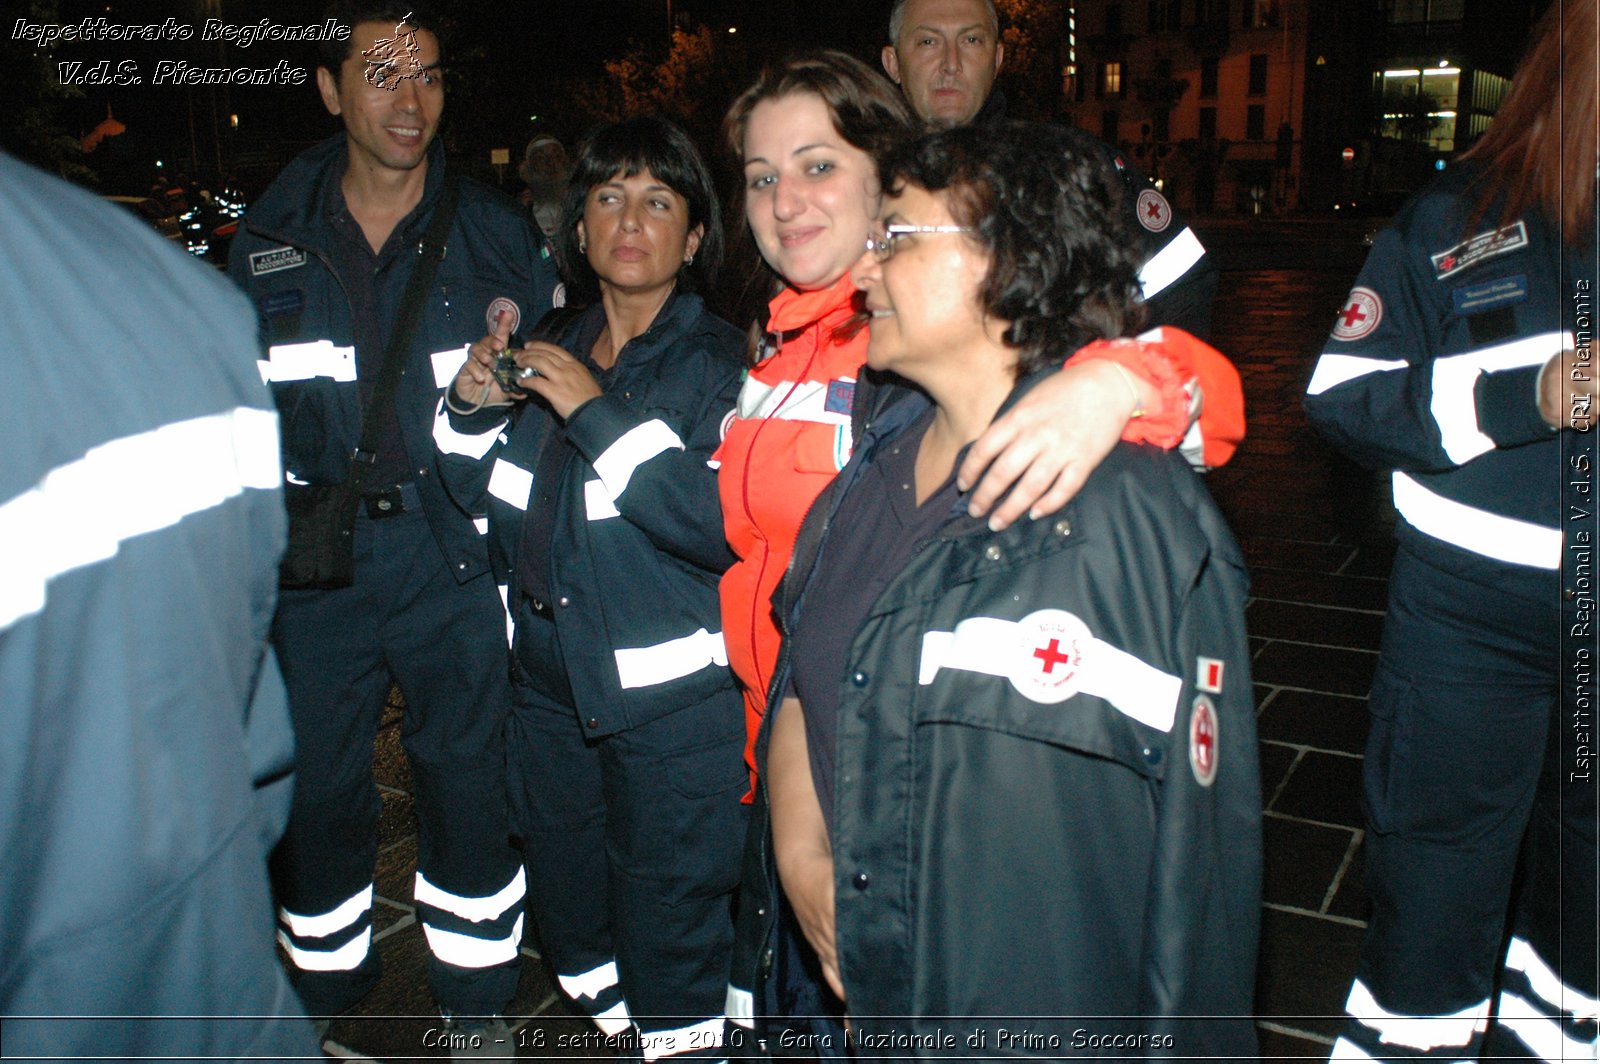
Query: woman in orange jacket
{"x": 807, "y": 132}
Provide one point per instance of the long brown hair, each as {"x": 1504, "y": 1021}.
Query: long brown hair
{"x": 868, "y": 111}
{"x": 1541, "y": 150}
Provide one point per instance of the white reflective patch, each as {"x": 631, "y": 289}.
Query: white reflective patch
{"x": 1334, "y": 370}
{"x": 632, "y": 449}
{"x": 346, "y": 958}
{"x": 449, "y": 441}
{"x": 1539, "y": 1032}
{"x": 1505, "y": 539}
{"x": 511, "y": 484}
{"x": 446, "y": 364}
{"x": 590, "y": 984}
{"x": 676, "y": 658}
{"x": 1416, "y": 1032}
{"x": 82, "y": 512}
{"x": 614, "y": 1020}
{"x": 343, "y": 915}
{"x": 1049, "y": 662}
{"x": 317, "y": 358}
{"x": 1169, "y": 264}
{"x": 1521, "y": 957}
{"x": 1453, "y": 404}
{"x": 1344, "y": 1049}
{"x": 741, "y": 1007}
{"x": 598, "y": 504}
{"x": 465, "y": 951}
{"x": 791, "y": 401}
{"x": 481, "y": 524}
{"x": 707, "y": 1034}
{"x": 478, "y": 910}
{"x": 505, "y": 604}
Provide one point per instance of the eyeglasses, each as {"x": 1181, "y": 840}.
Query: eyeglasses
{"x": 883, "y": 247}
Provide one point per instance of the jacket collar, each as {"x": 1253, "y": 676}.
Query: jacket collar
{"x": 793, "y": 309}
{"x": 676, "y": 318}
{"x": 297, "y": 206}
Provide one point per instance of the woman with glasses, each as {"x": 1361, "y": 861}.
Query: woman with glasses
{"x": 1012, "y": 774}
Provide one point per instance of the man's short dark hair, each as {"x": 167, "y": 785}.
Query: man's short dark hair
{"x": 1044, "y": 205}
{"x": 351, "y": 13}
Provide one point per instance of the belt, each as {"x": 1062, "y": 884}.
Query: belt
{"x": 392, "y": 501}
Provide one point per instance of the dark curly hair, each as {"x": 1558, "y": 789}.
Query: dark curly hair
{"x": 629, "y": 147}
{"x": 1043, "y": 202}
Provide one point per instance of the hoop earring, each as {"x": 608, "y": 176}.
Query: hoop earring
{"x": 688, "y": 260}
{"x": 583, "y": 247}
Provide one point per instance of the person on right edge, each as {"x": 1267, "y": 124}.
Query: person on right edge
{"x": 945, "y": 56}
{"x": 1457, "y": 362}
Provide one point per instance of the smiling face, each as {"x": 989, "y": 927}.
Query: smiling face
{"x": 924, "y": 301}
{"x": 636, "y": 232}
{"x": 810, "y": 196}
{"x": 945, "y": 58}
{"x": 389, "y": 126}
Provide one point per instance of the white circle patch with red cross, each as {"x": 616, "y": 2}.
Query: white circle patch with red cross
{"x": 1361, "y": 314}
{"x": 1048, "y": 667}
{"x": 499, "y": 305}
{"x": 1155, "y": 213}
{"x": 1203, "y": 741}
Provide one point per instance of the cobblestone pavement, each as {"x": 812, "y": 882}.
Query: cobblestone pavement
{"x": 1316, "y": 533}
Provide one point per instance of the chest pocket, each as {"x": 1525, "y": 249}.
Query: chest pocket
{"x": 822, "y": 448}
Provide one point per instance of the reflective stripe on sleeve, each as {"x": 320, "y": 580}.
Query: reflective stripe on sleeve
{"x": 1170, "y": 263}
{"x": 478, "y": 910}
{"x": 511, "y": 484}
{"x": 791, "y": 401}
{"x": 1454, "y": 404}
{"x": 1505, "y": 539}
{"x": 590, "y": 984}
{"x": 449, "y": 441}
{"x": 1334, "y": 370}
{"x": 741, "y": 1007}
{"x": 997, "y": 647}
{"x": 707, "y": 1034}
{"x": 467, "y": 951}
{"x": 341, "y": 916}
{"x": 346, "y": 958}
{"x": 1416, "y": 1032}
{"x": 676, "y": 658}
{"x": 82, "y": 512}
{"x": 316, "y": 358}
{"x": 446, "y": 364}
{"x": 632, "y": 449}
{"x": 615, "y": 1020}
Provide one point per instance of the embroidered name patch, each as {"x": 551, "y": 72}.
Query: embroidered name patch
{"x": 1491, "y": 295}
{"x": 284, "y": 258}
{"x": 282, "y": 304}
{"x": 1481, "y": 247}
{"x": 840, "y": 395}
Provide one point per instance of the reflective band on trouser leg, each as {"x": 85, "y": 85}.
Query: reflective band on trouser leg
{"x": 1461, "y": 1029}
{"x": 1505, "y": 539}
{"x": 707, "y": 1034}
{"x": 476, "y": 939}
{"x": 296, "y": 932}
{"x": 676, "y": 658}
{"x": 1551, "y": 1019}
{"x": 589, "y": 989}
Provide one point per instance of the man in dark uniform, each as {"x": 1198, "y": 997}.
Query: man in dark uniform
{"x": 945, "y": 55}
{"x": 326, "y": 253}
{"x": 145, "y": 747}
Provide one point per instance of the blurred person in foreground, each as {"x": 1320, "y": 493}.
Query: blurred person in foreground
{"x": 146, "y": 751}
{"x": 626, "y": 729}
{"x": 1462, "y": 362}
{"x": 1013, "y": 774}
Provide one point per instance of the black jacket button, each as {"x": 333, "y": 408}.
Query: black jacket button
{"x": 860, "y": 881}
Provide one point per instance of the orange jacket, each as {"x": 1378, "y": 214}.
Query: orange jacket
{"x": 791, "y": 435}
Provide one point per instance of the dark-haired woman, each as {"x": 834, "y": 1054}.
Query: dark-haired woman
{"x": 626, "y": 731}
{"x": 1462, "y": 364}
{"x": 1012, "y": 774}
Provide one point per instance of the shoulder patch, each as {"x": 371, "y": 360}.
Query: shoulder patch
{"x": 841, "y": 394}
{"x": 1360, "y": 316}
{"x": 506, "y": 305}
{"x": 1208, "y": 675}
{"x": 1470, "y": 252}
{"x": 275, "y": 259}
{"x": 1490, "y": 295}
{"x": 1154, "y": 212}
{"x": 1203, "y": 741}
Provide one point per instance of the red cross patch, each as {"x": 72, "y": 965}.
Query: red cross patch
{"x": 1050, "y": 655}
{"x": 499, "y": 304}
{"x": 1361, "y": 314}
{"x": 1153, "y": 210}
{"x": 1203, "y": 741}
